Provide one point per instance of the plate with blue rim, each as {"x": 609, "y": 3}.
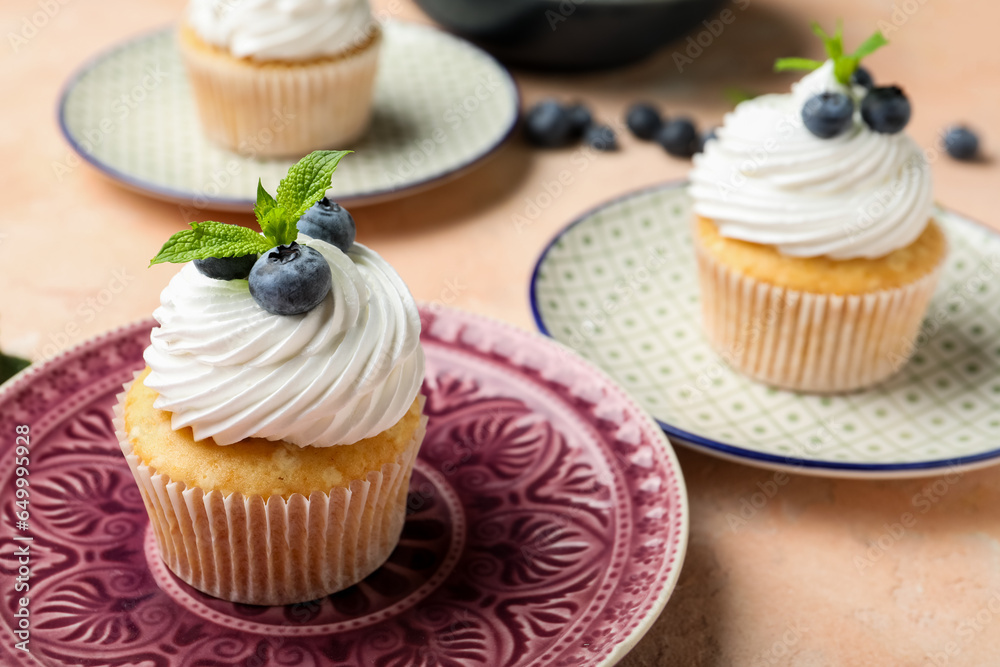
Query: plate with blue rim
{"x": 441, "y": 107}
{"x": 619, "y": 286}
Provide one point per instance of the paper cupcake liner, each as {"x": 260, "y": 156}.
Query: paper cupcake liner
{"x": 806, "y": 341}
{"x": 285, "y": 109}
{"x": 272, "y": 552}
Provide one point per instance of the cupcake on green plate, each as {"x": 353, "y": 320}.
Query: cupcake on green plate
{"x": 287, "y": 76}
{"x": 817, "y": 249}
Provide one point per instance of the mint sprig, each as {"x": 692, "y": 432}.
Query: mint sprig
{"x": 844, "y": 64}
{"x": 304, "y": 185}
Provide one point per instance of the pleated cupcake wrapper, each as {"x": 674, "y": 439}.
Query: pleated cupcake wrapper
{"x": 284, "y": 110}
{"x": 810, "y": 342}
{"x": 274, "y": 551}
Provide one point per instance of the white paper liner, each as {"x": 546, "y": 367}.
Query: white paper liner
{"x": 274, "y": 552}
{"x": 810, "y": 342}
{"x": 286, "y": 110}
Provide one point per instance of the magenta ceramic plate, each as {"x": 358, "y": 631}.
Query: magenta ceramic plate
{"x": 547, "y": 524}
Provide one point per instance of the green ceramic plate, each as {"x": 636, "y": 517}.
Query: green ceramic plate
{"x": 441, "y": 105}
{"x": 619, "y": 286}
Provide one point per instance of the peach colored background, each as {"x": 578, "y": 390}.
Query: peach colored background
{"x": 790, "y": 587}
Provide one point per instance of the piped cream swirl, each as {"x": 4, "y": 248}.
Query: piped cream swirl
{"x": 767, "y": 179}
{"x": 344, "y": 371}
{"x": 281, "y": 29}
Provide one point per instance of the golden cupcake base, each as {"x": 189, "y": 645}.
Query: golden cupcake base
{"x": 281, "y": 109}
{"x": 277, "y": 548}
{"x": 798, "y": 324}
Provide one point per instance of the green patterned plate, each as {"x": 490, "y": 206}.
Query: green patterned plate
{"x": 619, "y": 286}
{"x": 441, "y": 105}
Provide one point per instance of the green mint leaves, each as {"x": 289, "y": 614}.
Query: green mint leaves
{"x": 844, "y": 65}
{"x": 304, "y": 185}
{"x": 11, "y": 366}
{"x": 307, "y": 180}
{"x": 211, "y": 239}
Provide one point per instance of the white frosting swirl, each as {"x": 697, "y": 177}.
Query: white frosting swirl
{"x": 346, "y": 370}
{"x": 281, "y": 29}
{"x": 767, "y": 179}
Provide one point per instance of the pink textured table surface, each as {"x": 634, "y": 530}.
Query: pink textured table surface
{"x": 820, "y": 575}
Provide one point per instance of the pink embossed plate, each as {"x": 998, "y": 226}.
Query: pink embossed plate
{"x": 547, "y": 524}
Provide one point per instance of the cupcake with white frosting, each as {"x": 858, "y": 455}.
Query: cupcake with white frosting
{"x": 281, "y": 77}
{"x": 274, "y": 451}
{"x": 817, "y": 250}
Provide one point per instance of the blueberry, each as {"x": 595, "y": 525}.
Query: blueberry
{"x": 548, "y": 124}
{"x": 705, "y": 138}
{"x": 863, "y": 78}
{"x": 886, "y": 109}
{"x": 601, "y": 138}
{"x": 226, "y": 268}
{"x": 579, "y": 117}
{"x": 828, "y": 114}
{"x": 290, "y": 279}
{"x": 643, "y": 120}
{"x": 961, "y": 142}
{"x": 329, "y": 221}
{"x": 679, "y": 137}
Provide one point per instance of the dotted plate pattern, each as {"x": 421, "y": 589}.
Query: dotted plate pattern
{"x": 546, "y": 524}
{"x": 619, "y": 286}
{"x": 440, "y": 105}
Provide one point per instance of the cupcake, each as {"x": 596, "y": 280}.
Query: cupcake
{"x": 274, "y": 430}
{"x": 281, "y": 77}
{"x": 816, "y": 247}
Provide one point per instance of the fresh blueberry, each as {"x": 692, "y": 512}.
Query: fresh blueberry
{"x": 886, "y": 109}
{"x": 600, "y": 137}
{"x": 961, "y": 143}
{"x": 548, "y": 124}
{"x": 863, "y": 78}
{"x": 329, "y": 221}
{"x": 705, "y": 138}
{"x": 643, "y": 120}
{"x": 226, "y": 268}
{"x": 679, "y": 137}
{"x": 579, "y": 117}
{"x": 290, "y": 279}
{"x": 828, "y": 114}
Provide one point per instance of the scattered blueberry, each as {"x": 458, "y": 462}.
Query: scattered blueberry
{"x": 863, "y": 78}
{"x": 886, "y": 109}
{"x": 226, "y": 268}
{"x": 290, "y": 279}
{"x": 601, "y": 138}
{"x": 580, "y": 118}
{"x": 329, "y": 221}
{"x": 548, "y": 124}
{"x": 961, "y": 143}
{"x": 828, "y": 114}
{"x": 643, "y": 120}
{"x": 679, "y": 137}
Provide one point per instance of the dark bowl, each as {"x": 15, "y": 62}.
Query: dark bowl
{"x": 569, "y": 34}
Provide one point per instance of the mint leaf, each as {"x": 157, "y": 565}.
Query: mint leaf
{"x": 307, "y": 181}
{"x": 737, "y": 95}
{"x": 843, "y": 68}
{"x": 265, "y": 202}
{"x": 210, "y": 239}
{"x": 279, "y": 227}
{"x": 870, "y": 45}
{"x": 807, "y": 64}
{"x": 834, "y": 45}
{"x": 11, "y": 366}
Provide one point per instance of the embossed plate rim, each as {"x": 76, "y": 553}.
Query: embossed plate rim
{"x": 673, "y": 558}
